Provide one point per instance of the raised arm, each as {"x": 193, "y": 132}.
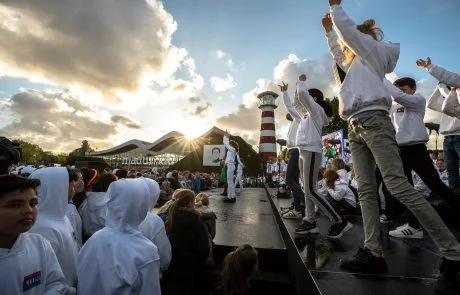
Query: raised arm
{"x": 359, "y": 43}
{"x": 306, "y": 100}
{"x": 444, "y": 76}
{"x": 227, "y": 144}
{"x": 414, "y": 102}
{"x": 288, "y": 102}
{"x": 334, "y": 47}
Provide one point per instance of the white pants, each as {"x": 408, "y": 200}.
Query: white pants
{"x": 239, "y": 179}
{"x": 231, "y": 184}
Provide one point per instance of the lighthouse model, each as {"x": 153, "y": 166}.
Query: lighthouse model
{"x": 267, "y": 144}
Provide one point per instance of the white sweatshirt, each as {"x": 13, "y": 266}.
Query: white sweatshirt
{"x": 31, "y": 267}
{"x": 343, "y": 175}
{"x": 118, "y": 259}
{"x": 444, "y": 76}
{"x": 75, "y": 220}
{"x": 407, "y": 114}
{"x": 153, "y": 227}
{"x": 294, "y": 125}
{"x": 93, "y": 212}
{"x": 311, "y": 126}
{"x": 52, "y": 223}
{"x": 448, "y": 125}
{"x": 363, "y": 88}
{"x": 342, "y": 191}
{"x": 231, "y": 152}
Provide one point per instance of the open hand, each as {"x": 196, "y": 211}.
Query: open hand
{"x": 423, "y": 63}
{"x": 334, "y": 2}
{"x": 327, "y": 22}
{"x": 283, "y": 87}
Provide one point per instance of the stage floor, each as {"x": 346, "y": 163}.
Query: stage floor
{"x": 413, "y": 264}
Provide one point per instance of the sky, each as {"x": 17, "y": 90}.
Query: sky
{"x": 112, "y": 71}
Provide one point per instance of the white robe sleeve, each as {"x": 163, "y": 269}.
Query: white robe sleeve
{"x": 444, "y": 76}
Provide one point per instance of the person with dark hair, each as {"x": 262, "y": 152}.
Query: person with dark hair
{"x": 121, "y": 173}
{"x": 26, "y": 258}
{"x": 216, "y": 158}
{"x": 94, "y": 209}
{"x": 72, "y": 212}
{"x": 297, "y": 209}
{"x": 315, "y": 115}
{"x": 407, "y": 115}
{"x": 56, "y": 185}
{"x": 337, "y": 192}
{"x": 237, "y": 269}
{"x": 89, "y": 175}
{"x": 232, "y": 150}
{"x": 119, "y": 259}
{"x": 365, "y": 103}
{"x": 189, "y": 243}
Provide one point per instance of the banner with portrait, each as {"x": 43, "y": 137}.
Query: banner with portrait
{"x": 213, "y": 154}
{"x": 332, "y": 147}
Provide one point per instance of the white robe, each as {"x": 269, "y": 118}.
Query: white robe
{"x": 93, "y": 212}
{"x": 118, "y": 259}
{"x": 31, "y": 267}
{"x": 52, "y": 223}
{"x": 75, "y": 220}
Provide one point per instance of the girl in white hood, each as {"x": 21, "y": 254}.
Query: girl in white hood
{"x": 153, "y": 227}
{"x": 365, "y": 103}
{"x": 118, "y": 259}
{"x": 52, "y": 222}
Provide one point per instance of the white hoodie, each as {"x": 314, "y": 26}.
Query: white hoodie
{"x": 231, "y": 153}
{"x": 75, "y": 220}
{"x": 341, "y": 191}
{"x": 407, "y": 114}
{"x": 118, "y": 259}
{"x": 31, "y": 267}
{"x": 240, "y": 167}
{"x": 153, "y": 227}
{"x": 449, "y": 125}
{"x": 296, "y": 118}
{"x": 52, "y": 223}
{"x": 363, "y": 88}
{"x": 311, "y": 126}
{"x": 343, "y": 175}
{"x": 444, "y": 76}
{"x": 93, "y": 212}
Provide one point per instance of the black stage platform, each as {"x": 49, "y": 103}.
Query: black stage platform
{"x": 413, "y": 263}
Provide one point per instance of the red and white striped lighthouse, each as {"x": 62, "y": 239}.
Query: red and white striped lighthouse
{"x": 267, "y": 143}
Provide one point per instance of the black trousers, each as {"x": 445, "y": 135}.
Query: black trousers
{"x": 416, "y": 157}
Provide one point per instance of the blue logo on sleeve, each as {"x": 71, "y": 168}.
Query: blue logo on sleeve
{"x": 31, "y": 281}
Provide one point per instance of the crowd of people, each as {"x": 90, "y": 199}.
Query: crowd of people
{"x": 387, "y": 140}
{"x": 95, "y": 233}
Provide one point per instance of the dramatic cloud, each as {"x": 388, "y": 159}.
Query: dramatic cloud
{"x": 194, "y": 99}
{"x": 125, "y": 122}
{"x": 108, "y": 46}
{"x": 59, "y": 120}
{"x": 222, "y": 84}
{"x": 201, "y": 110}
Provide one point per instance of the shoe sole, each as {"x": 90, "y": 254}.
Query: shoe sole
{"x": 345, "y": 229}
{"x": 407, "y": 237}
{"x": 311, "y": 231}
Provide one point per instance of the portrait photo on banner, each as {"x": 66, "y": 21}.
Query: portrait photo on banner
{"x": 213, "y": 155}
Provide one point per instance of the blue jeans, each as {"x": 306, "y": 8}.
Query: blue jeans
{"x": 451, "y": 158}
{"x": 292, "y": 179}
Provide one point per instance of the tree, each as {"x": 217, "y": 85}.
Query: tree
{"x": 81, "y": 151}
{"x": 33, "y": 154}
{"x": 336, "y": 122}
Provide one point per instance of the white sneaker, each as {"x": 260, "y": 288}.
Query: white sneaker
{"x": 406, "y": 231}
{"x": 384, "y": 218}
{"x": 292, "y": 214}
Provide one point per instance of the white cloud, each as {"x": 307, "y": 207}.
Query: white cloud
{"x": 105, "y": 46}
{"x": 222, "y": 84}
{"x": 226, "y": 58}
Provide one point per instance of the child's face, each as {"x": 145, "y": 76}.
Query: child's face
{"x": 406, "y": 89}
{"x": 18, "y": 211}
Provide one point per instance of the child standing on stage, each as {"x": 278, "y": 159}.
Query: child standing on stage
{"x": 231, "y": 147}
{"x": 365, "y": 102}
{"x": 239, "y": 173}
{"x": 310, "y": 145}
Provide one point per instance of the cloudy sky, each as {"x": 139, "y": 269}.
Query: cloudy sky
{"x": 111, "y": 70}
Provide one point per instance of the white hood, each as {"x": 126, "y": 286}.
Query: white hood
{"x": 53, "y": 191}
{"x": 154, "y": 192}
{"x": 128, "y": 203}
{"x": 96, "y": 200}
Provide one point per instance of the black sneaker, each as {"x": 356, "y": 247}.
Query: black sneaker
{"x": 365, "y": 262}
{"x": 228, "y": 200}
{"x": 223, "y": 194}
{"x": 337, "y": 229}
{"x": 307, "y": 228}
{"x": 449, "y": 282}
